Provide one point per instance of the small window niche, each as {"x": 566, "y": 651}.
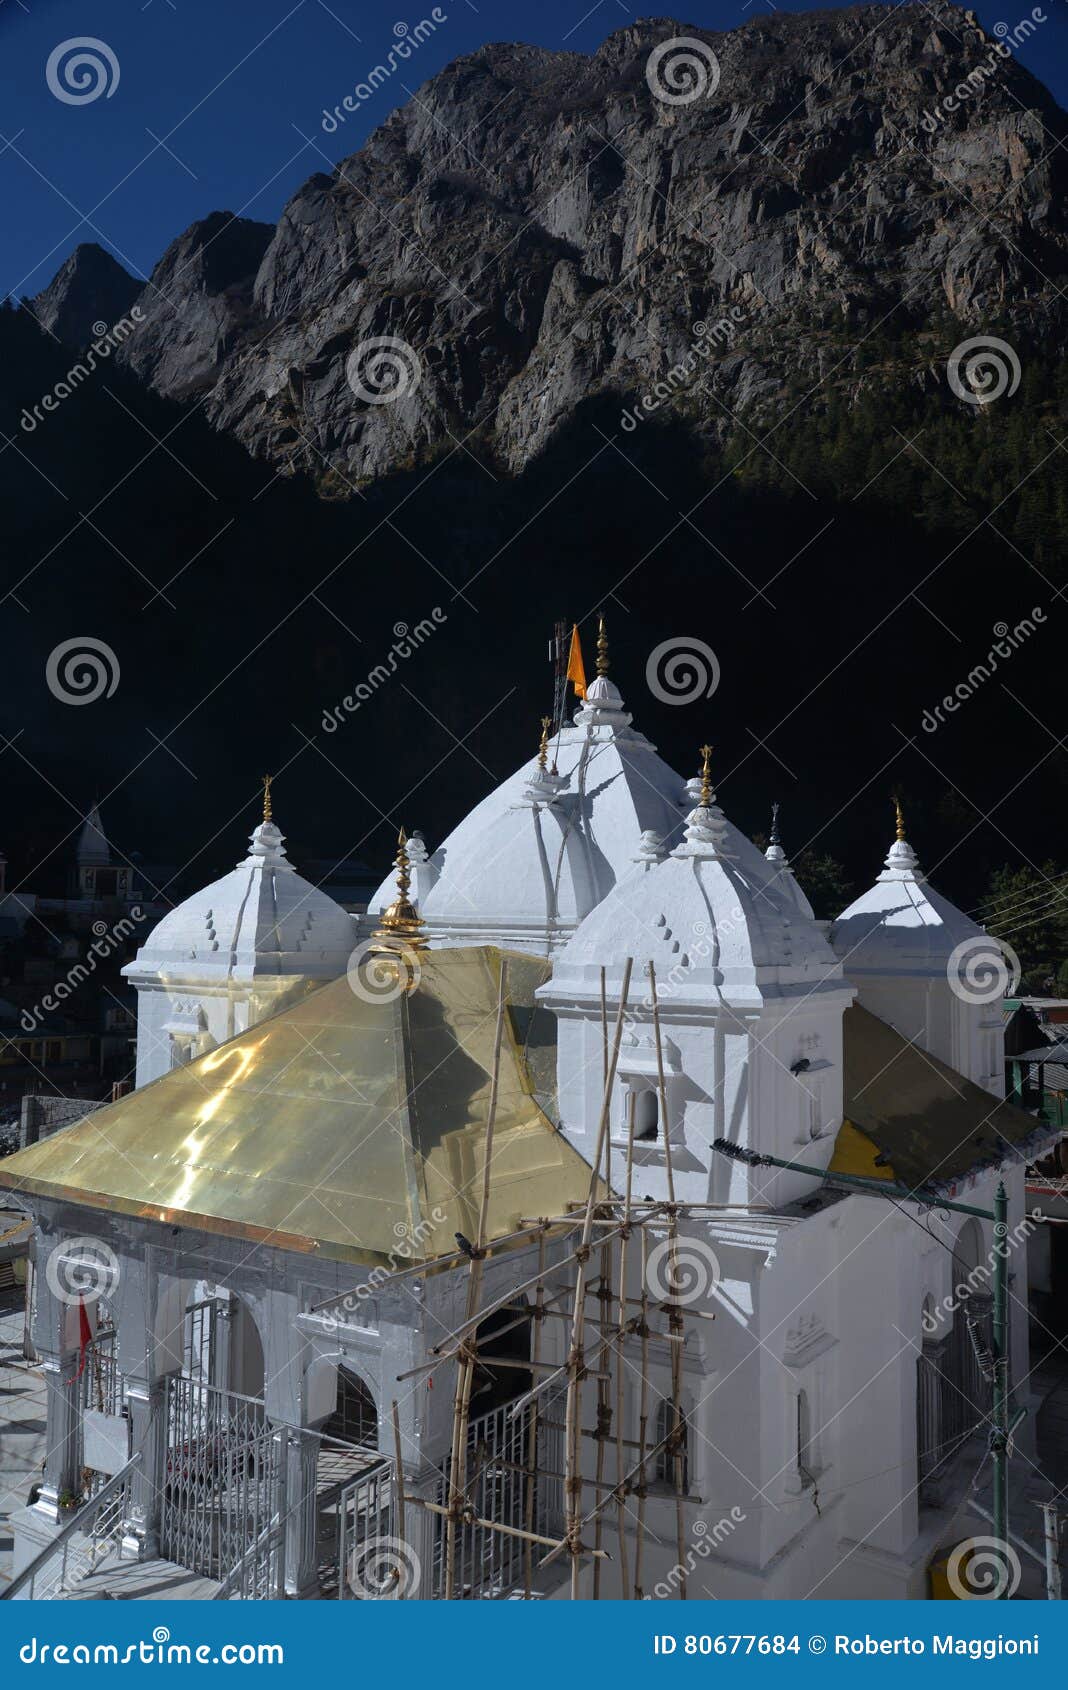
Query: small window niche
{"x": 639, "y": 1094}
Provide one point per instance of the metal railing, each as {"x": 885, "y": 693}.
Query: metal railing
{"x": 80, "y": 1546}
{"x": 366, "y": 1541}
{"x": 501, "y": 1486}
{"x": 260, "y": 1574}
{"x": 222, "y": 1476}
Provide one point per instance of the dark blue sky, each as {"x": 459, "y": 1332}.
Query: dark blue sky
{"x": 226, "y": 85}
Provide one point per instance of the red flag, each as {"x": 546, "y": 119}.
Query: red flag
{"x": 85, "y": 1336}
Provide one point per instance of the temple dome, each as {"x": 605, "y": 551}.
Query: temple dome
{"x": 260, "y": 919}
{"x": 714, "y": 917}
{"x": 541, "y": 851}
{"x": 902, "y": 925}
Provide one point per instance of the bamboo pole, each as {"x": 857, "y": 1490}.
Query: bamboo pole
{"x": 572, "y": 1447}
{"x": 559, "y": 1544}
{"x": 465, "y": 1372}
{"x": 437, "y": 1264}
{"x": 604, "y": 1295}
{"x": 532, "y": 1429}
{"x": 621, "y": 1332}
{"x": 563, "y": 1545}
{"x": 674, "y": 1309}
{"x": 491, "y": 1308}
{"x": 643, "y": 1422}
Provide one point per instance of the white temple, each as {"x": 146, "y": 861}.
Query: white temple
{"x": 232, "y": 954}
{"x": 277, "y": 1206}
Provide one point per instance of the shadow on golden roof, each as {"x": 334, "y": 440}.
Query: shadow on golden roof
{"x": 342, "y": 1125}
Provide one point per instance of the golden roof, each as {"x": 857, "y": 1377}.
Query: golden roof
{"x": 926, "y": 1123}
{"x": 342, "y": 1124}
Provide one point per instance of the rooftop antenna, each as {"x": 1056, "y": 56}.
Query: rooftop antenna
{"x": 558, "y": 647}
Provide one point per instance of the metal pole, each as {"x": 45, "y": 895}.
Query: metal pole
{"x": 999, "y": 1437}
{"x": 1000, "y": 1430}
{"x": 1052, "y": 1533}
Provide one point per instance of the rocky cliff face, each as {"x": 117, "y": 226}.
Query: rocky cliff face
{"x": 89, "y": 294}
{"x": 539, "y": 228}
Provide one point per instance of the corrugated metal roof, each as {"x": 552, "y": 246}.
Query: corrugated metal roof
{"x": 930, "y": 1124}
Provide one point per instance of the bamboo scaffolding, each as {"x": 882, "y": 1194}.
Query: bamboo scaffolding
{"x": 532, "y": 1430}
{"x": 621, "y": 1331}
{"x": 560, "y": 1548}
{"x": 572, "y": 1462}
{"x": 511, "y": 1296}
{"x": 643, "y": 1422}
{"x": 559, "y": 1544}
{"x": 468, "y": 1357}
{"x": 604, "y": 1293}
{"x": 675, "y": 1321}
{"x": 436, "y": 1264}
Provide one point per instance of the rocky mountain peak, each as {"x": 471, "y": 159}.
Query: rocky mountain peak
{"x": 87, "y": 295}
{"x": 539, "y": 228}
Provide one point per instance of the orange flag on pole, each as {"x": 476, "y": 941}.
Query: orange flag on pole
{"x": 576, "y": 672}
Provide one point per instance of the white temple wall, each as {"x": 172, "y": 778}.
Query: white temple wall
{"x": 180, "y": 1018}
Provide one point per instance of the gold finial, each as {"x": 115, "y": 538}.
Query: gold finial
{"x": 899, "y": 813}
{"x": 543, "y": 748}
{"x": 602, "y": 646}
{"x": 267, "y": 813}
{"x": 706, "y": 776}
{"x": 401, "y": 927}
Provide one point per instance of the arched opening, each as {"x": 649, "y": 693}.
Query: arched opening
{"x": 355, "y": 1417}
{"x": 352, "y": 1488}
{"x": 503, "y": 1339}
{"x": 220, "y": 1342}
{"x": 222, "y": 1475}
{"x": 646, "y": 1116}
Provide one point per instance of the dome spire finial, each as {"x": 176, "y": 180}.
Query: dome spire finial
{"x": 602, "y": 645}
{"x": 900, "y": 818}
{"x": 268, "y": 814}
{"x": 401, "y": 926}
{"x": 706, "y": 777}
{"x": 543, "y": 748}
{"x": 775, "y": 840}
